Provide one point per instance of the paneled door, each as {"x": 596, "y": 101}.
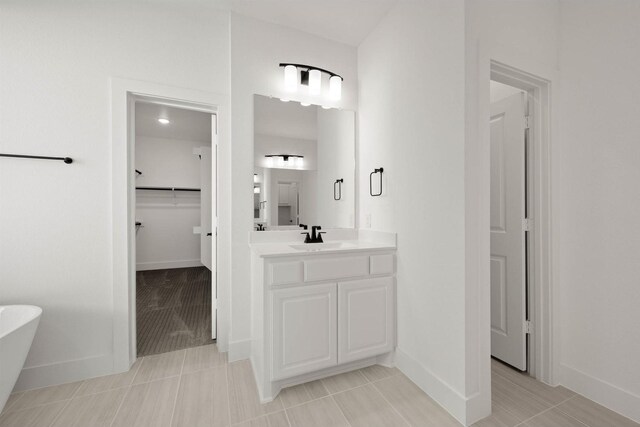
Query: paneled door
{"x": 304, "y": 329}
{"x": 508, "y": 256}
{"x": 365, "y": 318}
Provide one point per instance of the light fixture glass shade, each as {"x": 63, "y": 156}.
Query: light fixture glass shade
{"x": 255, "y": 177}
{"x": 256, "y": 190}
{"x": 315, "y": 82}
{"x": 335, "y": 87}
{"x": 280, "y": 161}
{"x": 300, "y": 162}
{"x": 305, "y": 104}
{"x": 290, "y": 78}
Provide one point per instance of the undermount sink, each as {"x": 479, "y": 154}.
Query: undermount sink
{"x": 312, "y": 247}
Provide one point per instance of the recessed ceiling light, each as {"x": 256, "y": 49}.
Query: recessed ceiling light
{"x": 164, "y": 121}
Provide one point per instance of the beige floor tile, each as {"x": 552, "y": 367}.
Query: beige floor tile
{"x": 499, "y": 418}
{"x": 365, "y": 407}
{"x": 316, "y": 389}
{"x": 379, "y": 372}
{"x": 203, "y": 357}
{"x": 243, "y": 395}
{"x": 40, "y": 416}
{"x": 515, "y": 399}
{"x": 594, "y": 415}
{"x": 40, "y": 396}
{"x": 160, "y": 366}
{"x": 552, "y": 395}
{"x": 203, "y": 399}
{"x": 414, "y": 404}
{"x": 552, "y": 418}
{"x": 96, "y": 410}
{"x": 342, "y": 382}
{"x": 109, "y": 382}
{"x": 149, "y": 404}
{"x": 319, "y": 413}
{"x": 299, "y": 394}
{"x": 278, "y": 419}
{"x": 13, "y": 398}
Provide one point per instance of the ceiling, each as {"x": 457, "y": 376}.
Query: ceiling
{"x": 184, "y": 124}
{"x": 345, "y": 21}
{"x": 284, "y": 119}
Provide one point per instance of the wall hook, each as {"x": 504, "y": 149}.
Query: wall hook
{"x": 375, "y": 171}
{"x": 339, "y": 182}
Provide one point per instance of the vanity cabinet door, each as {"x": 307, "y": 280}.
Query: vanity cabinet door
{"x": 304, "y": 329}
{"x": 365, "y": 318}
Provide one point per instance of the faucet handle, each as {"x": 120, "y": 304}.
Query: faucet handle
{"x": 319, "y": 238}
{"x": 304, "y": 226}
{"x": 307, "y": 239}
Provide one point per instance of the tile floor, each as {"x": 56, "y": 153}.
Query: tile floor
{"x": 197, "y": 387}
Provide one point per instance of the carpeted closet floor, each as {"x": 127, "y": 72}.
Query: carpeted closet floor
{"x": 173, "y": 309}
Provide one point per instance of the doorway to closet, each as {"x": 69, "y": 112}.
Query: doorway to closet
{"x": 174, "y": 158}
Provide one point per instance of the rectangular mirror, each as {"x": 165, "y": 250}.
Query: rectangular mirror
{"x": 304, "y": 161}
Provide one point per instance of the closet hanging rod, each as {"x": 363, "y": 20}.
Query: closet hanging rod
{"x": 67, "y": 160}
{"x": 167, "y": 189}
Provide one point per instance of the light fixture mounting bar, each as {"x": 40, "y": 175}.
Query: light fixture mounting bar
{"x": 311, "y": 67}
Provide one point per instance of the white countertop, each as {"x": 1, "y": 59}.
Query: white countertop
{"x": 278, "y": 249}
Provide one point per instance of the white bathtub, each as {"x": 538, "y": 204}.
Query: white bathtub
{"x": 18, "y": 325}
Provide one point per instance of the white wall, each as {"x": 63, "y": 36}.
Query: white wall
{"x": 55, "y": 219}
{"x": 597, "y": 202}
{"x": 256, "y": 50}
{"x": 166, "y": 238}
{"x": 336, "y": 159}
{"x": 411, "y": 122}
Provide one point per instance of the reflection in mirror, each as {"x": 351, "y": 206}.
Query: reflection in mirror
{"x": 299, "y": 153}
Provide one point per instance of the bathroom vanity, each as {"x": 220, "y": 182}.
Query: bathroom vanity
{"x": 321, "y": 309}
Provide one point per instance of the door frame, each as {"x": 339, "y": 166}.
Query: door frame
{"x": 124, "y": 94}
{"x": 539, "y": 202}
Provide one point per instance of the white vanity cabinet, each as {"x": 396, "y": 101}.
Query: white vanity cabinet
{"x": 320, "y": 314}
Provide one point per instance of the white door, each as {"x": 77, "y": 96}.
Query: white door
{"x": 209, "y": 217}
{"x": 365, "y": 318}
{"x": 304, "y": 329}
{"x": 508, "y": 291}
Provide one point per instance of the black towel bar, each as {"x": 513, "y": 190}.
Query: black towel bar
{"x": 67, "y": 160}
{"x": 339, "y": 182}
{"x": 380, "y": 171}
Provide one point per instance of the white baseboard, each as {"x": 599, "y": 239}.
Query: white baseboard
{"x": 162, "y": 265}
{"x": 64, "y": 372}
{"x": 437, "y": 389}
{"x": 602, "y": 392}
{"x": 239, "y": 350}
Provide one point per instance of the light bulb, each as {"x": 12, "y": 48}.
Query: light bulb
{"x": 290, "y": 78}
{"x": 280, "y": 161}
{"x": 255, "y": 177}
{"x": 315, "y": 82}
{"x": 256, "y": 190}
{"x": 300, "y": 162}
{"x": 269, "y": 162}
{"x": 335, "y": 87}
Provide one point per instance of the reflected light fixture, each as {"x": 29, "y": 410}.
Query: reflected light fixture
{"x": 163, "y": 121}
{"x": 256, "y": 190}
{"x": 312, "y": 77}
{"x": 285, "y": 160}
{"x": 255, "y": 177}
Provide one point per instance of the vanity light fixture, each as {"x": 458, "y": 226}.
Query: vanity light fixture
{"x": 288, "y": 160}
{"x": 312, "y": 77}
{"x": 163, "y": 121}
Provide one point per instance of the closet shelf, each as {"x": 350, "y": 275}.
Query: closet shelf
{"x": 167, "y": 189}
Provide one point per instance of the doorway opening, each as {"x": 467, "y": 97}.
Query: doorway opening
{"x": 519, "y": 194}
{"x": 174, "y": 156}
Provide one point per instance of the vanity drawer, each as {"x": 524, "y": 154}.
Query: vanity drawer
{"x": 336, "y": 268}
{"x": 382, "y": 264}
{"x": 284, "y": 273}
